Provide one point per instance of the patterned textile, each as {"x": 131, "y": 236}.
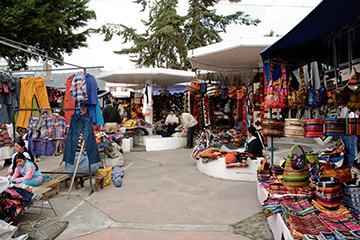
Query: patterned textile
{"x": 206, "y": 111}
{"x": 78, "y": 87}
{"x": 135, "y": 110}
{"x": 302, "y": 207}
{"x": 339, "y": 220}
{"x": 278, "y": 189}
{"x": 271, "y": 206}
{"x": 13, "y": 202}
{"x": 200, "y": 116}
{"x": 186, "y": 102}
{"x": 5, "y": 140}
{"x": 306, "y": 224}
{"x": 211, "y": 154}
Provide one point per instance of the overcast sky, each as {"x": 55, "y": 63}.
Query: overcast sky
{"x": 279, "y": 15}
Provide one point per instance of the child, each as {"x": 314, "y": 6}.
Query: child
{"x": 26, "y": 171}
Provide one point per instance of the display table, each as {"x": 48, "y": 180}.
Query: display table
{"x": 159, "y": 143}
{"x": 275, "y": 221}
{"x": 217, "y": 168}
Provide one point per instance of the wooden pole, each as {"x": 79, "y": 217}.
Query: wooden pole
{"x": 77, "y": 164}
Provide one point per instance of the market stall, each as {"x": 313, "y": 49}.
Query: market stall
{"x": 312, "y": 92}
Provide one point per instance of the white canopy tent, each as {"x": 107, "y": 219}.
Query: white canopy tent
{"x": 239, "y": 56}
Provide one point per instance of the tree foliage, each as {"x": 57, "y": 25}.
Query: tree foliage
{"x": 49, "y": 25}
{"x": 169, "y": 35}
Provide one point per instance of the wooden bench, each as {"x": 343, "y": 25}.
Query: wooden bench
{"x": 99, "y": 181}
{"x": 56, "y": 179}
{"x": 45, "y": 199}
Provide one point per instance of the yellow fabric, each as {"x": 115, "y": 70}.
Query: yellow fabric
{"x": 31, "y": 86}
{"x": 107, "y": 173}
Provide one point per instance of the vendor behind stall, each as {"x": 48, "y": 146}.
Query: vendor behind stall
{"x": 111, "y": 118}
{"x": 255, "y": 144}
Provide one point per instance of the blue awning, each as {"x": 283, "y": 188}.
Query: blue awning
{"x": 307, "y": 40}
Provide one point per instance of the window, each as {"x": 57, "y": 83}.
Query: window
{"x": 112, "y": 89}
{"x": 124, "y": 89}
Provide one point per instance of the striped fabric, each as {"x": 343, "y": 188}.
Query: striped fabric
{"x": 352, "y": 126}
{"x": 339, "y": 220}
{"x": 273, "y": 127}
{"x": 294, "y": 128}
{"x": 334, "y": 126}
{"x": 314, "y": 128}
{"x": 301, "y": 207}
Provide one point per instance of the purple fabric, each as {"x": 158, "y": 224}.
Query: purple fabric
{"x": 40, "y": 146}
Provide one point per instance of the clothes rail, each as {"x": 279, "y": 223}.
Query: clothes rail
{"x": 39, "y": 109}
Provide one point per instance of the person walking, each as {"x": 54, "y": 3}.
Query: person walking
{"x": 187, "y": 122}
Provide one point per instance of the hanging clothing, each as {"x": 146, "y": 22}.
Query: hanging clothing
{"x": 147, "y": 99}
{"x": 69, "y": 101}
{"x": 78, "y": 89}
{"x": 81, "y": 123}
{"x": 29, "y": 87}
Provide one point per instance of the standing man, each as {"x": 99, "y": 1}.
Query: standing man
{"x": 111, "y": 118}
{"x": 187, "y": 122}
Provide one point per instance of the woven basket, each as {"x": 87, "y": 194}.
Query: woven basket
{"x": 294, "y": 128}
{"x": 296, "y": 177}
{"x": 273, "y": 127}
{"x": 334, "y": 126}
{"x": 351, "y": 194}
{"x": 314, "y": 128}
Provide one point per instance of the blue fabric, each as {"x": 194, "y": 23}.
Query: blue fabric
{"x": 32, "y": 182}
{"x": 91, "y": 90}
{"x": 81, "y": 123}
{"x": 306, "y": 40}
{"x": 98, "y": 114}
{"x": 350, "y": 143}
{"x": 163, "y": 133}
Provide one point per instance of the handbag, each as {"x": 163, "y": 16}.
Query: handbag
{"x": 276, "y": 97}
{"x": 342, "y": 173}
{"x": 314, "y": 127}
{"x": 224, "y": 89}
{"x": 294, "y": 127}
{"x": 334, "y": 126}
{"x": 328, "y": 192}
{"x": 351, "y": 194}
{"x": 273, "y": 127}
{"x": 316, "y": 97}
{"x": 210, "y": 88}
{"x": 232, "y": 88}
{"x": 297, "y": 99}
{"x": 203, "y": 88}
{"x": 296, "y": 171}
{"x": 194, "y": 87}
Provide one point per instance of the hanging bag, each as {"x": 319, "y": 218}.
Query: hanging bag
{"x": 342, "y": 173}
{"x": 273, "y": 127}
{"x": 232, "y": 87}
{"x": 296, "y": 171}
{"x": 297, "y": 99}
{"x": 194, "y": 87}
{"x": 276, "y": 94}
{"x": 294, "y": 127}
{"x": 210, "y": 88}
{"x": 314, "y": 127}
{"x": 225, "y": 89}
{"x": 334, "y": 126}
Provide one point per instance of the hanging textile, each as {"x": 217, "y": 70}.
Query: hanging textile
{"x": 186, "y": 102}
{"x": 206, "y": 110}
{"x": 29, "y": 87}
{"x": 81, "y": 123}
{"x": 9, "y": 97}
{"x": 69, "y": 101}
{"x": 146, "y": 93}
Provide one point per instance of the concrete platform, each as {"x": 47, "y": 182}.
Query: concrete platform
{"x": 167, "y": 143}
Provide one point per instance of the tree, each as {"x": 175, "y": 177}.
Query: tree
{"x": 271, "y": 34}
{"x": 169, "y": 36}
{"x": 48, "y": 25}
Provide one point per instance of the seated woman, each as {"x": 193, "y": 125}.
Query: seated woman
{"x": 19, "y": 147}
{"x": 26, "y": 171}
{"x": 255, "y": 144}
{"x": 172, "y": 122}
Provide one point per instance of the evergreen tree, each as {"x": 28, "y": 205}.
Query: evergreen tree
{"x": 169, "y": 36}
{"x": 49, "y": 25}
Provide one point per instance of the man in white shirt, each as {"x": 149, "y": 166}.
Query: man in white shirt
{"x": 188, "y": 122}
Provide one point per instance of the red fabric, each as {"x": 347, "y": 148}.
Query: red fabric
{"x": 69, "y": 101}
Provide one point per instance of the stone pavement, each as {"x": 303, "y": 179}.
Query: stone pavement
{"x": 163, "y": 196}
